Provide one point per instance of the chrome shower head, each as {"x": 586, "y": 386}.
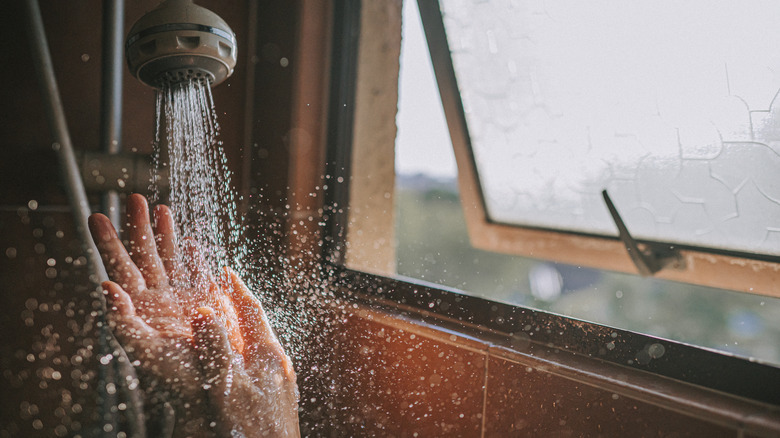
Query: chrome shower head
{"x": 179, "y": 41}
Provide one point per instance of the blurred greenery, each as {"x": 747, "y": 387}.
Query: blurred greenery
{"x": 433, "y": 245}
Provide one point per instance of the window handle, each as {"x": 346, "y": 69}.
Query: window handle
{"x": 647, "y": 259}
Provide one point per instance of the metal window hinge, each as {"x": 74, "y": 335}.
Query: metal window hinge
{"x": 647, "y": 258}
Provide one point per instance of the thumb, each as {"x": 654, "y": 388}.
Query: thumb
{"x": 122, "y": 318}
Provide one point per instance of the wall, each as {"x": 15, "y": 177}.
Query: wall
{"x": 401, "y": 376}
{"x": 370, "y": 231}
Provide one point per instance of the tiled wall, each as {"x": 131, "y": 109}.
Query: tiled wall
{"x": 48, "y": 352}
{"x": 398, "y": 383}
{"x": 398, "y": 377}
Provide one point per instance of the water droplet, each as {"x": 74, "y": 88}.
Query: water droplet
{"x": 656, "y": 350}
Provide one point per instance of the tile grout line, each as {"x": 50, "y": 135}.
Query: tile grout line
{"x": 484, "y": 393}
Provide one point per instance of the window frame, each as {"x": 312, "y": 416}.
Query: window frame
{"x": 753, "y": 273}
{"x": 449, "y": 307}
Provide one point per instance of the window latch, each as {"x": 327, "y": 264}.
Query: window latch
{"x": 647, "y": 258}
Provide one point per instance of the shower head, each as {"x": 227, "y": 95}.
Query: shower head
{"x": 179, "y": 41}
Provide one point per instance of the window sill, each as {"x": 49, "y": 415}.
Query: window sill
{"x": 523, "y": 362}
{"x": 504, "y": 325}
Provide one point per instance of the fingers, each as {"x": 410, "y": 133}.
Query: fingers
{"x": 121, "y": 313}
{"x": 165, "y": 237}
{"x": 117, "y": 300}
{"x": 253, "y": 401}
{"x": 144, "y": 313}
{"x": 119, "y": 265}
{"x": 143, "y": 249}
{"x": 229, "y": 390}
{"x": 224, "y": 308}
{"x": 260, "y": 341}
{"x": 251, "y": 316}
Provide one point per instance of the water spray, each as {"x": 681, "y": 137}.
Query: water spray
{"x": 180, "y": 41}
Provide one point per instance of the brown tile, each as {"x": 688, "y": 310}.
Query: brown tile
{"x": 393, "y": 382}
{"x": 525, "y": 402}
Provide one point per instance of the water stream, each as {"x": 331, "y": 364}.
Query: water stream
{"x": 201, "y": 196}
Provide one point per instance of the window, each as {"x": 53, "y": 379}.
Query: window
{"x": 512, "y": 213}
{"x": 527, "y": 103}
{"x": 677, "y": 121}
{"x": 609, "y": 314}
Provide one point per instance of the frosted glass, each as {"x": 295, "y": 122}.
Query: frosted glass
{"x": 669, "y": 105}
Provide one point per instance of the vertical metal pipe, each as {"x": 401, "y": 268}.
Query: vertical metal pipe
{"x": 120, "y": 371}
{"x": 74, "y": 187}
{"x": 55, "y": 114}
{"x": 111, "y": 94}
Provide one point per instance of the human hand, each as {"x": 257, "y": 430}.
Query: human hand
{"x": 151, "y": 317}
{"x": 152, "y": 309}
{"x": 253, "y": 394}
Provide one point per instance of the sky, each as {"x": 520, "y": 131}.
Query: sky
{"x": 423, "y": 143}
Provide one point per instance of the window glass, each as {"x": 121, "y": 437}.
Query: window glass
{"x": 668, "y": 105}
{"x": 433, "y": 245}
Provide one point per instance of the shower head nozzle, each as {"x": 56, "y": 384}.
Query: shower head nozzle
{"x": 180, "y": 41}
